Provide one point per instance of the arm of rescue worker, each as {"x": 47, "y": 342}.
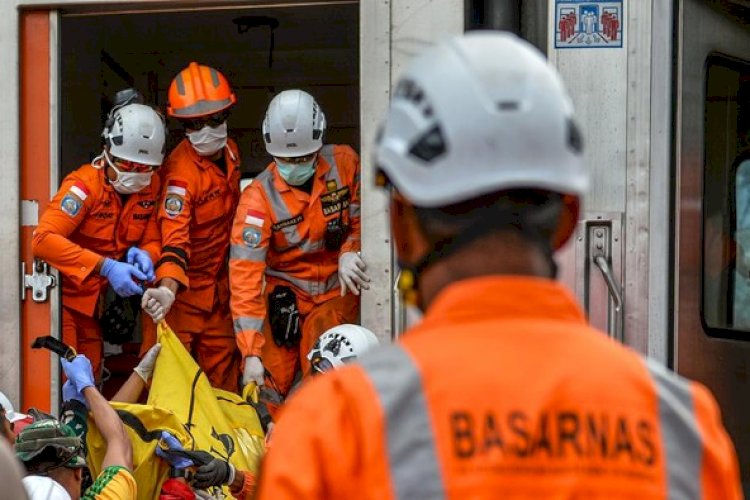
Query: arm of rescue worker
{"x": 119, "y": 449}
{"x": 151, "y": 239}
{"x": 353, "y": 239}
{"x": 720, "y": 470}
{"x": 308, "y": 460}
{"x": 175, "y": 214}
{"x": 251, "y": 234}
{"x": 133, "y": 387}
{"x": 50, "y": 242}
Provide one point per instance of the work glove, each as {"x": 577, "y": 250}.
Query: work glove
{"x": 173, "y": 444}
{"x": 145, "y": 368}
{"x": 121, "y": 275}
{"x": 352, "y": 273}
{"x": 157, "y": 302}
{"x": 253, "y": 371}
{"x": 70, "y": 393}
{"x": 215, "y": 473}
{"x": 79, "y": 372}
{"x": 142, "y": 260}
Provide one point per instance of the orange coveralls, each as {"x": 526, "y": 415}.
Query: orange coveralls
{"x": 86, "y": 221}
{"x": 502, "y": 391}
{"x": 278, "y": 235}
{"x": 195, "y": 217}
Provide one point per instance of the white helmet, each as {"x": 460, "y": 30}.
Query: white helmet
{"x": 10, "y": 413}
{"x": 340, "y": 344}
{"x": 294, "y": 125}
{"x": 480, "y": 113}
{"x": 44, "y": 488}
{"x": 136, "y": 132}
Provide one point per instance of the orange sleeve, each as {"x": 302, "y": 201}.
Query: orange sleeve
{"x": 720, "y": 474}
{"x": 175, "y": 214}
{"x": 247, "y": 491}
{"x": 65, "y": 213}
{"x": 353, "y": 240}
{"x": 251, "y": 234}
{"x": 151, "y": 239}
{"x": 322, "y": 450}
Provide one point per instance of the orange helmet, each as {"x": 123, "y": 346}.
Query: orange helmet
{"x": 199, "y": 91}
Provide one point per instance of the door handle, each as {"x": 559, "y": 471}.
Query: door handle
{"x": 616, "y": 315}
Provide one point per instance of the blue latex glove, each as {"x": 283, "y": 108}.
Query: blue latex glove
{"x": 172, "y": 443}
{"x": 142, "y": 260}
{"x": 69, "y": 392}
{"x": 79, "y": 372}
{"x": 120, "y": 276}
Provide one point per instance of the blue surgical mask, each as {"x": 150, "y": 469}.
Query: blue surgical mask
{"x": 296, "y": 174}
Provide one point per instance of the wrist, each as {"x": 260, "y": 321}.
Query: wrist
{"x": 106, "y": 265}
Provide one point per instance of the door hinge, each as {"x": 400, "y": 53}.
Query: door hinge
{"x": 40, "y": 281}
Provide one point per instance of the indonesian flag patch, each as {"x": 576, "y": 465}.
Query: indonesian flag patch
{"x": 255, "y": 218}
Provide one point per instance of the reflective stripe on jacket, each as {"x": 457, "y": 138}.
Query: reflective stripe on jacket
{"x": 280, "y": 231}
{"x": 502, "y": 392}
{"x": 87, "y": 220}
{"x": 195, "y": 216}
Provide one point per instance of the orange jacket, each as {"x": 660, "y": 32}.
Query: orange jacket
{"x": 195, "y": 217}
{"x": 279, "y": 231}
{"x": 501, "y": 392}
{"x": 86, "y": 221}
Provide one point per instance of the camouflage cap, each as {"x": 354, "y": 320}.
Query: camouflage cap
{"x": 66, "y": 449}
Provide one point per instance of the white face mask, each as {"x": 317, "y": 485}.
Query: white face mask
{"x": 209, "y": 140}
{"x": 129, "y": 182}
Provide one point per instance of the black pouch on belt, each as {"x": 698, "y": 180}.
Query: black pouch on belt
{"x": 335, "y": 234}
{"x": 283, "y": 315}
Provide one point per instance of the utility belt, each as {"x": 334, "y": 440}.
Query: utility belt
{"x": 283, "y": 316}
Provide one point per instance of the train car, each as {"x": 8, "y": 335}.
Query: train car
{"x": 661, "y": 259}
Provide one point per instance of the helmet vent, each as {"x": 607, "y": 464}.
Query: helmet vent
{"x": 317, "y": 134}
{"x": 430, "y": 145}
{"x": 508, "y": 105}
{"x": 117, "y": 140}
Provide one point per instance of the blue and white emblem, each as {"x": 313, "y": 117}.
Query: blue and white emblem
{"x": 251, "y": 236}
{"x": 71, "y": 204}
{"x": 588, "y": 24}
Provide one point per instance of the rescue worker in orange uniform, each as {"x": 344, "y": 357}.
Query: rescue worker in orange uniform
{"x": 295, "y": 244}
{"x": 503, "y": 390}
{"x": 201, "y": 178}
{"x": 103, "y": 213}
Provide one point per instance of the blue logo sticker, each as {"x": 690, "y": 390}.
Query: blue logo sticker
{"x": 71, "y": 204}
{"x": 588, "y": 24}
{"x": 173, "y": 205}
{"x": 251, "y": 236}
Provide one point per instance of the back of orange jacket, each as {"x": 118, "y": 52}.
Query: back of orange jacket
{"x": 195, "y": 217}
{"x": 87, "y": 221}
{"x": 501, "y": 392}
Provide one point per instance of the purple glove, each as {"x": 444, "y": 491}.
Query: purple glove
{"x": 142, "y": 260}
{"x": 69, "y": 393}
{"x": 120, "y": 276}
{"x": 176, "y": 461}
{"x": 79, "y": 372}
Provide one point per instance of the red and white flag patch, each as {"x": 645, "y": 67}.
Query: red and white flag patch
{"x": 255, "y": 217}
{"x": 177, "y": 187}
{"x": 79, "y": 189}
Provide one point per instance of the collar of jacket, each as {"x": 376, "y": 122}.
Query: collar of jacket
{"x": 503, "y": 297}
{"x": 321, "y": 169}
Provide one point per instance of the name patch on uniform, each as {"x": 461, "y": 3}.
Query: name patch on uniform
{"x": 141, "y": 216}
{"x": 216, "y": 193}
{"x": 335, "y": 201}
{"x": 287, "y": 222}
{"x": 251, "y": 236}
{"x": 255, "y": 217}
{"x": 71, "y": 204}
{"x": 173, "y": 205}
{"x": 103, "y": 215}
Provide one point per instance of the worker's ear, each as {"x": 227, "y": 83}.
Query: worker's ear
{"x": 408, "y": 238}
{"x": 566, "y": 227}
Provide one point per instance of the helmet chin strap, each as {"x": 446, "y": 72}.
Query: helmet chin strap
{"x": 408, "y": 283}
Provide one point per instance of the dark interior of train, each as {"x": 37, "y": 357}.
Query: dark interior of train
{"x": 262, "y": 51}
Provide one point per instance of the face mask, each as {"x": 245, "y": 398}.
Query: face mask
{"x": 209, "y": 140}
{"x": 296, "y": 174}
{"x": 129, "y": 182}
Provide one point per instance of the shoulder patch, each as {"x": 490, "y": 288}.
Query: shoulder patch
{"x": 173, "y": 204}
{"x": 251, "y": 236}
{"x": 71, "y": 204}
{"x": 255, "y": 217}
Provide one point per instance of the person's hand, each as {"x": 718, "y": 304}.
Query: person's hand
{"x": 157, "y": 302}
{"x": 142, "y": 260}
{"x": 70, "y": 393}
{"x": 352, "y": 273}
{"x": 215, "y": 473}
{"x": 253, "y": 371}
{"x": 79, "y": 372}
{"x": 121, "y": 275}
{"x": 173, "y": 444}
{"x": 145, "y": 368}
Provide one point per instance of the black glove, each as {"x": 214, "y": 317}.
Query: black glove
{"x": 215, "y": 473}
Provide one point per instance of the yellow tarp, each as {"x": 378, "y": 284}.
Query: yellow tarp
{"x": 182, "y": 401}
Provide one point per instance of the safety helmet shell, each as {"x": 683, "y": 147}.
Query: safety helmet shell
{"x": 44, "y": 488}
{"x": 50, "y": 433}
{"x": 197, "y": 91}
{"x": 480, "y": 113}
{"x": 12, "y": 415}
{"x": 136, "y": 132}
{"x": 294, "y": 125}
{"x": 342, "y": 344}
